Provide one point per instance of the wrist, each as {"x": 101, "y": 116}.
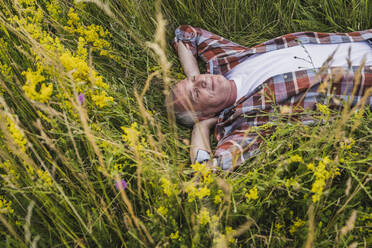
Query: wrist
{"x": 204, "y": 127}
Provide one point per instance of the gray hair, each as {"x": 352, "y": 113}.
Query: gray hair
{"x": 186, "y": 117}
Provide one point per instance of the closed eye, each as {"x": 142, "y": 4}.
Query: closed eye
{"x": 196, "y": 94}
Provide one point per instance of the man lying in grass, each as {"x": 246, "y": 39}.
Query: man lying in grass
{"x": 246, "y": 87}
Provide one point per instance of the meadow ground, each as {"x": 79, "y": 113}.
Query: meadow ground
{"x": 90, "y": 157}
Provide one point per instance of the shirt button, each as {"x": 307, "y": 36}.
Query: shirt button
{"x": 285, "y": 76}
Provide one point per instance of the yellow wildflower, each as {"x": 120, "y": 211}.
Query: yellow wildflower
{"x": 44, "y": 117}
{"x": 16, "y": 134}
{"x": 310, "y": 166}
{"x": 191, "y": 191}
{"x": 204, "y": 217}
{"x": 9, "y": 168}
{"x": 132, "y": 137}
{"x": 278, "y": 226}
{"x": 253, "y": 194}
{"x": 162, "y": 210}
{"x": 54, "y": 9}
{"x": 77, "y": 66}
{"x": 73, "y": 18}
{"x": 321, "y": 175}
{"x": 102, "y": 99}
{"x": 5, "y": 70}
{"x": 201, "y": 168}
{"x": 292, "y": 182}
{"x": 296, "y": 158}
{"x": 45, "y": 178}
{"x": 323, "y": 109}
{"x": 27, "y": 2}
{"x": 149, "y": 214}
{"x": 218, "y": 197}
{"x": 33, "y": 79}
{"x": 203, "y": 192}
{"x": 81, "y": 51}
{"x": 175, "y": 235}
{"x": 5, "y": 206}
{"x": 296, "y": 225}
{"x": 230, "y": 232}
{"x": 168, "y": 188}
{"x": 93, "y": 34}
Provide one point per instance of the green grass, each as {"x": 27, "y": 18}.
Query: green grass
{"x": 58, "y": 189}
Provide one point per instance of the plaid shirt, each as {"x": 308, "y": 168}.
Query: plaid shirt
{"x": 297, "y": 90}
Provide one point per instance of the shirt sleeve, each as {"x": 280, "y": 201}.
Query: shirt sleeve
{"x": 202, "y": 156}
{"x": 236, "y": 148}
{"x": 213, "y": 49}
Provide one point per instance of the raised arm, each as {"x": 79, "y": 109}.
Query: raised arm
{"x": 200, "y": 148}
{"x": 188, "y": 61}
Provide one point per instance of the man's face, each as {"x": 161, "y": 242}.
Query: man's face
{"x": 206, "y": 93}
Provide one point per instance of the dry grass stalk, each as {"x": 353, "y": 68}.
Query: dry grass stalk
{"x": 103, "y": 6}
{"x": 311, "y": 232}
{"x": 12, "y": 231}
{"x": 349, "y": 223}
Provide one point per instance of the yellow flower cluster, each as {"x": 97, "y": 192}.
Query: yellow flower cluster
{"x": 296, "y": 159}
{"x": 9, "y": 169}
{"x": 204, "y": 172}
{"x": 296, "y": 225}
{"x": 5, "y": 206}
{"x": 168, "y": 187}
{"x": 33, "y": 79}
{"x": 346, "y": 147}
{"x": 44, "y": 117}
{"x": 199, "y": 190}
{"x": 81, "y": 72}
{"x": 292, "y": 182}
{"x": 27, "y": 2}
{"x": 218, "y": 197}
{"x": 175, "y": 235}
{"x": 323, "y": 109}
{"x": 93, "y": 34}
{"x": 45, "y": 179}
{"x": 278, "y": 226}
{"x": 252, "y": 194}
{"x": 54, "y": 9}
{"x": 321, "y": 176}
{"x": 32, "y": 11}
{"x": 347, "y": 144}
{"x": 16, "y": 134}
{"x": 5, "y": 71}
{"x": 114, "y": 170}
{"x": 30, "y": 170}
{"x": 162, "y": 210}
{"x": 204, "y": 217}
{"x": 81, "y": 51}
{"x": 132, "y": 136}
{"x": 149, "y": 214}
{"x": 230, "y": 232}
{"x": 101, "y": 99}
{"x": 75, "y": 63}
{"x": 193, "y": 191}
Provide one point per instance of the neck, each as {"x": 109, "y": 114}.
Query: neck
{"x": 233, "y": 94}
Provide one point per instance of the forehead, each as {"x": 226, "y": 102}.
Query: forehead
{"x": 181, "y": 94}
